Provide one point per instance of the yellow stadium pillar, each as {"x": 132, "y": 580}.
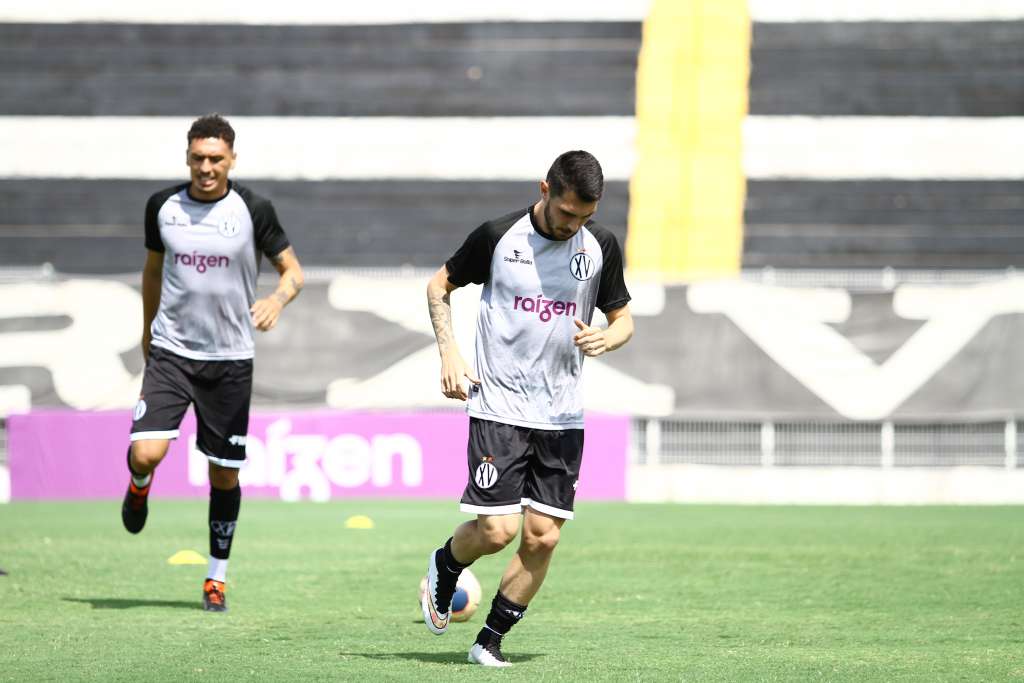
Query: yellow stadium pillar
{"x": 687, "y": 191}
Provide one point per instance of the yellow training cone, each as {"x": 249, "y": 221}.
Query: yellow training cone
{"x": 358, "y": 522}
{"x": 186, "y": 557}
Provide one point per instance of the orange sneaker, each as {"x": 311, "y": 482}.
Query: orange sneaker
{"x": 213, "y": 596}
{"x": 135, "y": 507}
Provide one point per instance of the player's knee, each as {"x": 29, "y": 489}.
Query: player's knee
{"x": 225, "y": 478}
{"x": 496, "y": 533}
{"x": 146, "y": 455}
{"x": 540, "y": 541}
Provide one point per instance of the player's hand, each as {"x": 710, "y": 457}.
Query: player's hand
{"x": 589, "y": 339}
{"x": 453, "y": 370}
{"x": 265, "y": 313}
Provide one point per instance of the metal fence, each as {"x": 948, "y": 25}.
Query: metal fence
{"x": 825, "y": 444}
{"x": 871, "y": 279}
{"x": 832, "y": 444}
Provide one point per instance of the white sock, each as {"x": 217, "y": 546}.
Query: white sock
{"x": 142, "y": 482}
{"x": 218, "y": 569}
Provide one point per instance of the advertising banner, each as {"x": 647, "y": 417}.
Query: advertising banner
{"x": 63, "y": 454}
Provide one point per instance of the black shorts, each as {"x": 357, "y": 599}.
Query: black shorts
{"x": 220, "y": 390}
{"x": 513, "y": 467}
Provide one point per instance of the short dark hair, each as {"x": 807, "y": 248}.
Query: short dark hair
{"x": 578, "y": 171}
{"x": 212, "y": 126}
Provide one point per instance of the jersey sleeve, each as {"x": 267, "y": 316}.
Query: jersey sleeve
{"x": 472, "y": 261}
{"x": 154, "y": 242}
{"x": 611, "y": 292}
{"x": 267, "y": 231}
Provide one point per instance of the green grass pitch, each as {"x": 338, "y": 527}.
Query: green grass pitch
{"x": 636, "y": 592}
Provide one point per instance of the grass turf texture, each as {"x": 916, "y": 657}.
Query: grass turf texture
{"x": 636, "y": 592}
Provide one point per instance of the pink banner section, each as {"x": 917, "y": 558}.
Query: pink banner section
{"x": 62, "y": 455}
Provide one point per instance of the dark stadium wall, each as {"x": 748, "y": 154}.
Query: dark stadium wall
{"x": 458, "y": 69}
{"x": 860, "y": 70}
{"x": 906, "y": 68}
{"x": 93, "y": 226}
{"x": 451, "y": 69}
{"x": 884, "y": 223}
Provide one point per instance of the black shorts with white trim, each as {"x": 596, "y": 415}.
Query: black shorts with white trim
{"x": 511, "y": 467}
{"x": 220, "y": 390}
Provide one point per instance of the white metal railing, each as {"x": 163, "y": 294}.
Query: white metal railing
{"x": 870, "y": 279}
{"x": 886, "y": 444}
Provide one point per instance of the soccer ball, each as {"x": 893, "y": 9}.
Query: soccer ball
{"x": 466, "y": 598}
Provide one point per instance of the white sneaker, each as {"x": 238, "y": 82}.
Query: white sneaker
{"x": 487, "y": 656}
{"x": 435, "y": 620}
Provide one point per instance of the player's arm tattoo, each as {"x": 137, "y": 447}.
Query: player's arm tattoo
{"x": 441, "y": 318}
{"x": 292, "y": 279}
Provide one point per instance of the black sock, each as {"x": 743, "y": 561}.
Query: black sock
{"x": 450, "y": 563}
{"x": 503, "y": 616}
{"x": 223, "y": 517}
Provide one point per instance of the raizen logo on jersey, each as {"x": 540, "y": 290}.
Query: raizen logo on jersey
{"x": 310, "y": 465}
{"x": 518, "y": 258}
{"x": 544, "y": 308}
{"x": 201, "y": 262}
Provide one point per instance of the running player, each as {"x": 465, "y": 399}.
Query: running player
{"x": 544, "y": 269}
{"x": 204, "y": 240}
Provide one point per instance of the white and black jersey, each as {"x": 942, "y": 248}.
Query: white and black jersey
{"x": 530, "y": 369}
{"x": 211, "y": 260}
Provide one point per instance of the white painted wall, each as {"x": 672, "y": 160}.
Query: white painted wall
{"x": 505, "y": 148}
{"x": 416, "y": 11}
{"x": 825, "y": 485}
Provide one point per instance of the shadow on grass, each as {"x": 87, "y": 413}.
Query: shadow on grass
{"x": 127, "y": 603}
{"x": 433, "y": 657}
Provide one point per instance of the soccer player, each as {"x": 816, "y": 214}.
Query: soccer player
{"x": 544, "y": 269}
{"x": 204, "y": 240}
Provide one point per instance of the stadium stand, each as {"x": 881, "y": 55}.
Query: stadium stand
{"x": 886, "y": 69}
{"x": 876, "y": 320}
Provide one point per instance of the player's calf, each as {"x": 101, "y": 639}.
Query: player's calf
{"x": 223, "y": 518}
